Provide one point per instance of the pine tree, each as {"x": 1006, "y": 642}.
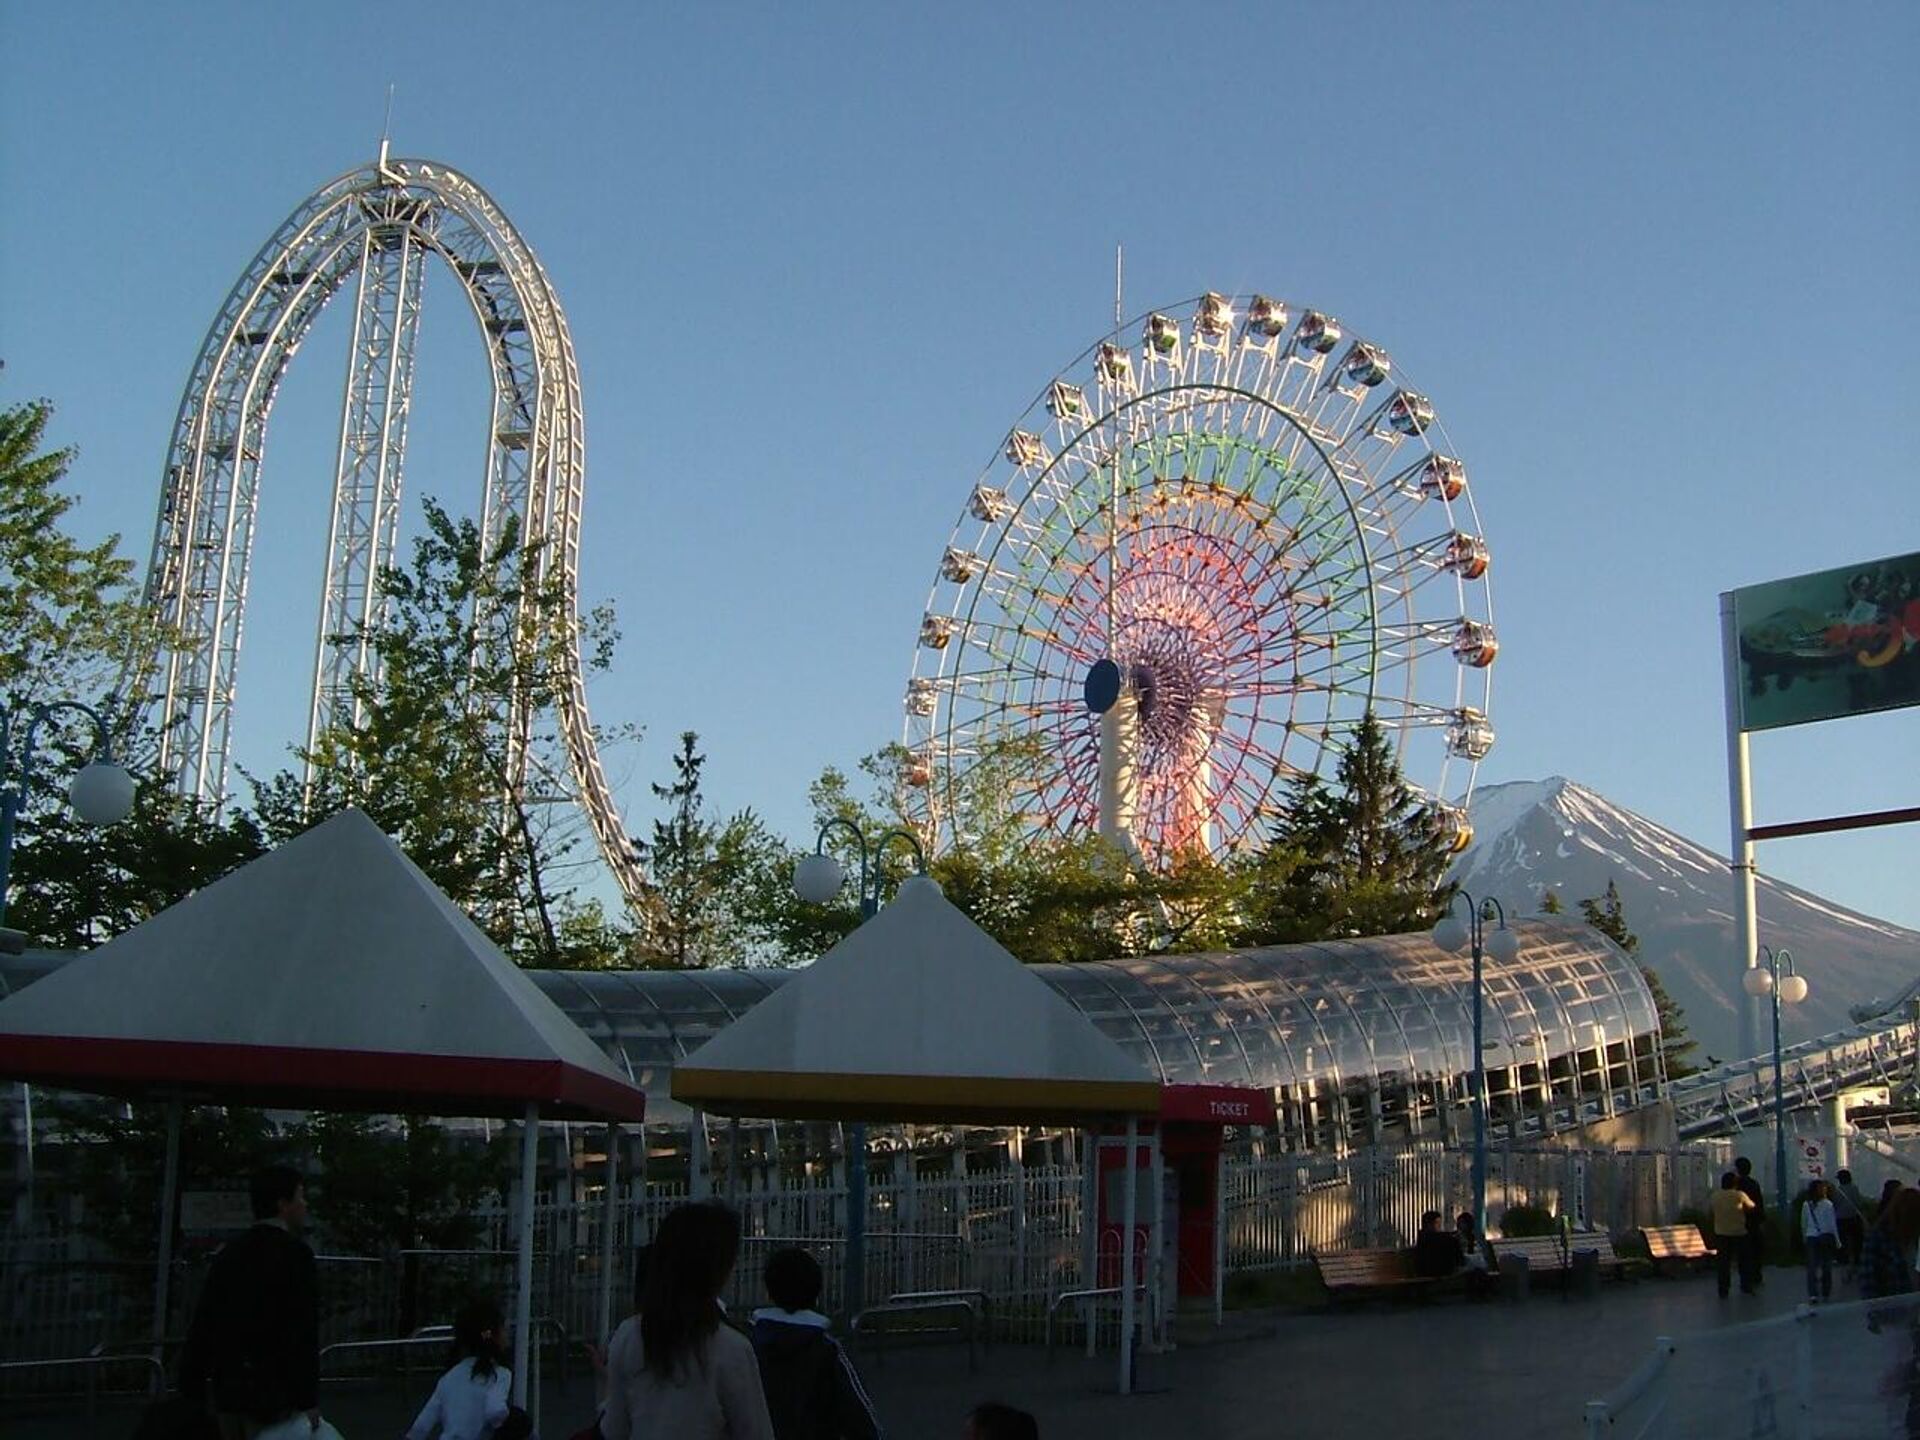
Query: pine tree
{"x": 1551, "y": 903}
{"x": 1363, "y": 857}
{"x": 691, "y": 920}
{"x": 1607, "y": 914}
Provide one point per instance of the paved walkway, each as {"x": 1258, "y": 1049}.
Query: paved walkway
{"x": 1446, "y": 1369}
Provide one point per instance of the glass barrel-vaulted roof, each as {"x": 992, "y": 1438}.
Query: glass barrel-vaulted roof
{"x": 1283, "y": 1015}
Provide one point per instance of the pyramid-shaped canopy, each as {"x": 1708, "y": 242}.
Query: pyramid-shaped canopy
{"x": 329, "y": 974}
{"x": 919, "y": 1015}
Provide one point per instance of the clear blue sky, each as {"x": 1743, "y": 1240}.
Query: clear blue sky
{"x": 1653, "y": 263}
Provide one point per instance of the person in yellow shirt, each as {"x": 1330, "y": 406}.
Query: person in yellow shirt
{"x": 1729, "y": 1206}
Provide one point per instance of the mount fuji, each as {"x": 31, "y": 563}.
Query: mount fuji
{"x": 1538, "y": 835}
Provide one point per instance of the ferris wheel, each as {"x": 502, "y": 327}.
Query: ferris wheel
{"x": 1193, "y": 568}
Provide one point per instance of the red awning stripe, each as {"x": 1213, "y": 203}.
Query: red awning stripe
{"x": 293, "y": 1077}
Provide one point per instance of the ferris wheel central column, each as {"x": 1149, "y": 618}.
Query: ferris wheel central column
{"x": 1120, "y": 769}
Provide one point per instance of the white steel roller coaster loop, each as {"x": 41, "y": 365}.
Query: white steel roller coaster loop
{"x": 376, "y": 226}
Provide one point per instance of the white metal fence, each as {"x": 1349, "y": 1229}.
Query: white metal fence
{"x": 1016, "y": 1234}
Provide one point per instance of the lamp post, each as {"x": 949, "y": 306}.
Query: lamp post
{"x": 817, "y": 878}
{"x": 101, "y": 792}
{"x": 1791, "y": 988}
{"x": 1453, "y": 935}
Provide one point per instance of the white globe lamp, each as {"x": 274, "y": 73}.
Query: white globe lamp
{"x": 1503, "y": 945}
{"x": 1451, "y": 934}
{"x": 1757, "y": 981}
{"x": 817, "y": 878}
{"x": 1793, "y": 989}
{"x": 102, "y": 793}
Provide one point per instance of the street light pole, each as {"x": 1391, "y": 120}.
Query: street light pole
{"x": 101, "y": 792}
{"x": 1454, "y": 934}
{"x": 1791, "y": 988}
{"x": 817, "y": 878}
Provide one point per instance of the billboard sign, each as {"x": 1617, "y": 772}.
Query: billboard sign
{"x": 1835, "y": 643}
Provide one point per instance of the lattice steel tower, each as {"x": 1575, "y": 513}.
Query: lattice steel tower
{"x": 375, "y": 226}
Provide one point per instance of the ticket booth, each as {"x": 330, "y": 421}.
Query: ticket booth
{"x": 1180, "y": 1186}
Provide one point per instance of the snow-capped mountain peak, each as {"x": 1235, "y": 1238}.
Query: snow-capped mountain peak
{"x": 1557, "y": 834}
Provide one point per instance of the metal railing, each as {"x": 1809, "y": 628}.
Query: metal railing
{"x": 969, "y": 1309}
{"x": 1732, "y": 1097}
{"x": 157, "y": 1379}
{"x": 1091, "y": 1296}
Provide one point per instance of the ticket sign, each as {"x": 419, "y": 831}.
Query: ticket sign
{"x": 1836, "y": 643}
{"x": 1217, "y": 1105}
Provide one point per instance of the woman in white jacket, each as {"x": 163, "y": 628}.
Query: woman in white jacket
{"x": 677, "y": 1368}
{"x": 1821, "y": 1232}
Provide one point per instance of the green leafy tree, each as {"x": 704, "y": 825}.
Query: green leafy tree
{"x": 113, "y": 1160}
{"x": 1551, "y": 903}
{"x": 399, "y": 1184}
{"x": 68, "y": 612}
{"x": 469, "y": 633}
{"x": 1607, "y": 914}
{"x": 76, "y": 885}
{"x": 69, "y": 622}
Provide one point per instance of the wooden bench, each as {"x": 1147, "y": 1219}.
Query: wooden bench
{"x": 1357, "y": 1274}
{"x": 1676, "y": 1245}
{"x": 1549, "y": 1255}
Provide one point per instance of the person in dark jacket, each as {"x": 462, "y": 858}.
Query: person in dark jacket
{"x": 253, "y": 1349}
{"x": 1436, "y": 1252}
{"x": 1753, "y": 1253}
{"x": 812, "y": 1390}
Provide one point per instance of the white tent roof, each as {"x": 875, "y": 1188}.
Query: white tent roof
{"x": 330, "y": 973}
{"x": 917, "y": 1015}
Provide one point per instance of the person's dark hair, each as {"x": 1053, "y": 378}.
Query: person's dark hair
{"x": 692, "y": 1255}
{"x": 640, "y": 1260}
{"x": 1816, "y": 1190}
{"x": 1903, "y": 1218}
{"x": 1744, "y": 1166}
{"x": 1729, "y": 1181}
{"x": 1430, "y": 1220}
{"x": 271, "y": 1187}
{"x": 1843, "y": 1176}
{"x": 994, "y": 1421}
{"x": 476, "y": 1335}
{"x": 793, "y": 1279}
{"x": 1466, "y": 1221}
{"x": 1887, "y": 1192}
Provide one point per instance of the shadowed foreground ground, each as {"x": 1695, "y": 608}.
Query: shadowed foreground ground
{"x": 1445, "y": 1369}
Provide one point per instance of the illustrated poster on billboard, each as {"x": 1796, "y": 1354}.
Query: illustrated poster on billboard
{"x": 1836, "y": 643}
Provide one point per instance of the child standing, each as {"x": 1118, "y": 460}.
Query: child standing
{"x": 812, "y": 1391}
{"x": 470, "y": 1402}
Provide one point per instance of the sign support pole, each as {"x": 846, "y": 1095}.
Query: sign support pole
{"x": 1740, "y": 803}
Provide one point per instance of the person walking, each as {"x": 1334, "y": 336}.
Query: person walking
{"x": 1820, "y": 1233}
{"x": 1728, "y": 1207}
{"x": 1753, "y": 1253}
{"x": 1850, "y": 1211}
{"x": 471, "y": 1400}
{"x": 813, "y": 1392}
{"x": 676, "y": 1368}
{"x": 253, "y": 1347}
